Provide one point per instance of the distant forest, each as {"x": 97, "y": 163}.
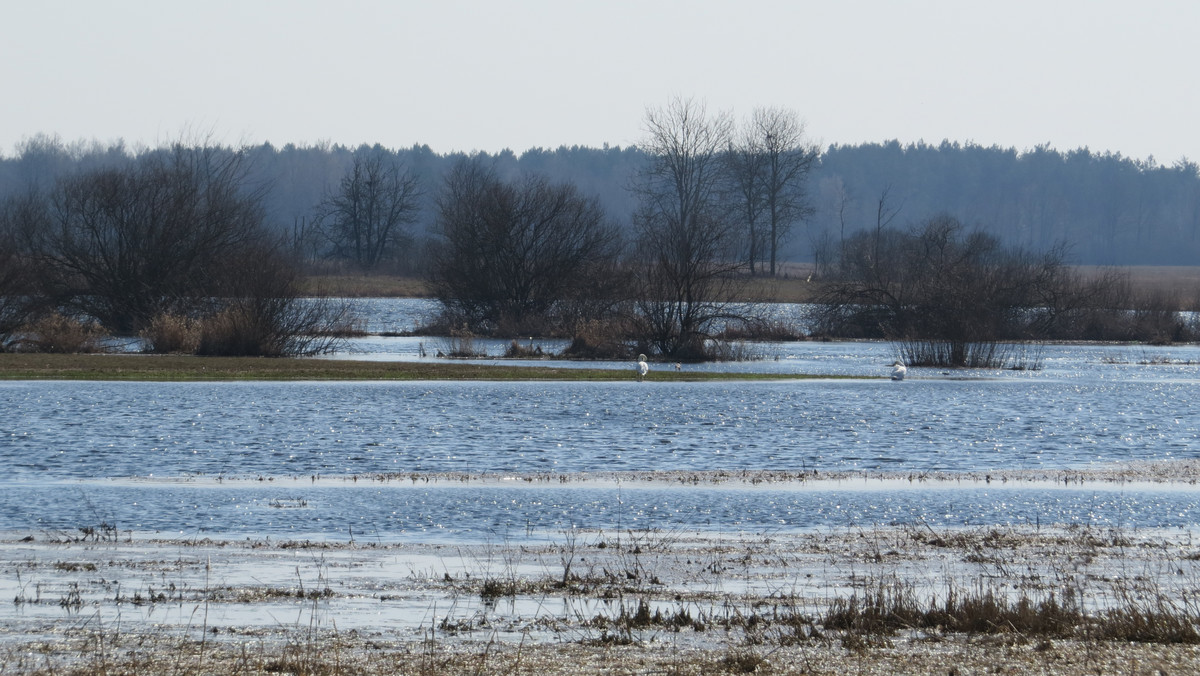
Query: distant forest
{"x": 1108, "y": 209}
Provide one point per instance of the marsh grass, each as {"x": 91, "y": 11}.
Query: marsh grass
{"x": 460, "y": 344}
{"x": 892, "y": 605}
{"x": 516, "y": 350}
{"x": 1149, "y": 618}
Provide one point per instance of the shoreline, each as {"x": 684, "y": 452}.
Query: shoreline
{"x": 180, "y": 368}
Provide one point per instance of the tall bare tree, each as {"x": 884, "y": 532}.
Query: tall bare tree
{"x": 366, "y": 218}
{"x": 687, "y": 236}
{"x": 746, "y": 164}
{"x": 788, "y": 159}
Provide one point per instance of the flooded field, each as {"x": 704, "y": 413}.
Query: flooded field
{"x": 549, "y": 514}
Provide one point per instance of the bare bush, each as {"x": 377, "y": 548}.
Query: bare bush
{"x": 126, "y": 243}
{"x": 946, "y": 296}
{"x": 261, "y": 312}
{"x": 521, "y": 257}
{"x": 600, "y": 339}
{"x": 17, "y": 279}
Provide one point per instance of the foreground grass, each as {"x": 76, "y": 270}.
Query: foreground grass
{"x": 182, "y": 368}
{"x": 349, "y": 654}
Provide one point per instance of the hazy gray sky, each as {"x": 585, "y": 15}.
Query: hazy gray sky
{"x": 465, "y": 75}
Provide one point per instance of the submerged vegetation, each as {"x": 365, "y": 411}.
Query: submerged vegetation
{"x": 1016, "y": 600}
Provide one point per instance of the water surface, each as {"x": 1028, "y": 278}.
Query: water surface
{"x": 283, "y": 457}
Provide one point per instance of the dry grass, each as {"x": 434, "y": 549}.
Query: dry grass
{"x": 796, "y": 283}
{"x": 1182, "y": 282}
{"x": 365, "y": 286}
{"x": 171, "y": 334}
{"x": 58, "y": 334}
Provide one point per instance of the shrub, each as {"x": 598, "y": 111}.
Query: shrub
{"x": 260, "y": 312}
{"x": 271, "y": 327}
{"x": 518, "y": 351}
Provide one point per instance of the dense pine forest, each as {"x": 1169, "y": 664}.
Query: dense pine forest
{"x": 1106, "y": 208}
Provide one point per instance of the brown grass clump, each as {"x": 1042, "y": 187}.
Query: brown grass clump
{"x": 894, "y": 605}
{"x": 461, "y": 345}
{"x": 60, "y": 334}
{"x": 233, "y": 331}
{"x": 171, "y": 334}
{"x": 516, "y": 350}
{"x": 1157, "y": 619}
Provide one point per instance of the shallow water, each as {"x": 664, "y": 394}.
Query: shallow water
{"x": 373, "y": 511}
{"x": 188, "y": 457}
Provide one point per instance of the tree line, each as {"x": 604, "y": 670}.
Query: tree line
{"x": 185, "y": 245}
{"x": 1110, "y": 209}
{"x": 176, "y": 236}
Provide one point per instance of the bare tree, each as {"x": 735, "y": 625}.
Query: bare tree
{"x": 366, "y": 218}
{"x": 16, "y": 277}
{"x": 514, "y": 255}
{"x": 788, "y": 159}
{"x": 746, "y": 165}
{"x": 687, "y": 236}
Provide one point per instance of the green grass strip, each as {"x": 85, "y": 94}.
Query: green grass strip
{"x": 189, "y": 368}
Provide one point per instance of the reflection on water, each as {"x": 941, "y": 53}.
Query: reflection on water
{"x": 63, "y": 442}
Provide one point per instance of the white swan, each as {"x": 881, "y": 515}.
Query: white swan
{"x": 642, "y": 367}
{"x": 899, "y": 371}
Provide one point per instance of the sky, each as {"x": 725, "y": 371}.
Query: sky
{"x": 461, "y": 75}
